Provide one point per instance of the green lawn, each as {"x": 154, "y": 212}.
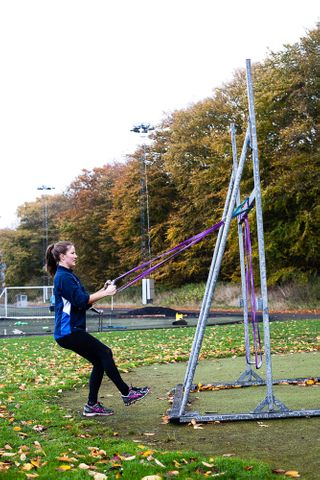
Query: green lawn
{"x": 39, "y": 438}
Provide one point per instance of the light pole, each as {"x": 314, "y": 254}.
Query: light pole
{"x": 147, "y": 284}
{"x": 45, "y": 216}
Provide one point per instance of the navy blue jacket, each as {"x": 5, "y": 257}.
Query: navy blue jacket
{"x": 71, "y": 303}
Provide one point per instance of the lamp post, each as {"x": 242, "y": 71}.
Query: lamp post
{"x": 147, "y": 284}
{"x": 45, "y": 216}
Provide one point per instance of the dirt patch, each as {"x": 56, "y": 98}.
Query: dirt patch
{"x": 292, "y": 444}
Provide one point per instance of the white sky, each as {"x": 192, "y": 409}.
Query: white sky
{"x": 77, "y": 75}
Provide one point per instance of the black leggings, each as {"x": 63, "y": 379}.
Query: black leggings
{"x": 100, "y": 356}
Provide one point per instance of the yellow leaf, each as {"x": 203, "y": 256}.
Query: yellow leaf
{"x": 147, "y": 453}
{"x": 292, "y": 474}
{"x": 27, "y": 467}
{"x": 17, "y": 429}
{"x": 63, "y": 468}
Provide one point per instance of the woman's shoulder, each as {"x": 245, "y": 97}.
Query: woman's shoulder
{"x": 66, "y": 274}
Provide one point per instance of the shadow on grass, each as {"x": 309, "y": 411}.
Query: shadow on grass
{"x": 291, "y": 444}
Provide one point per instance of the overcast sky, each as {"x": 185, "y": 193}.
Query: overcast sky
{"x": 77, "y": 75}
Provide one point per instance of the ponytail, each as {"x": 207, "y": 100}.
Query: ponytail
{"x": 53, "y": 255}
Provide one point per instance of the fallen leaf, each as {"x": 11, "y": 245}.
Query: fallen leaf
{"x": 261, "y": 424}
{"x": 292, "y": 474}
{"x": 63, "y": 468}
{"x": 4, "y": 466}
{"x": 159, "y": 463}
{"x": 83, "y": 466}
{"x": 96, "y": 452}
{"x": 67, "y": 459}
{"x": 196, "y": 426}
{"x": 97, "y": 475}
{"x": 152, "y": 477}
{"x": 147, "y": 453}
{"x": 209, "y": 465}
{"x": 39, "y": 428}
{"x": 27, "y": 466}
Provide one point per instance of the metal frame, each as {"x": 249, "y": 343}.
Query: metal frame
{"x": 270, "y": 407}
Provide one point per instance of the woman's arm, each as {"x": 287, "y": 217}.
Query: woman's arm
{"x": 103, "y": 292}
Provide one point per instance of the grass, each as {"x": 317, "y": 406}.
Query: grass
{"x": 39, "y": 437}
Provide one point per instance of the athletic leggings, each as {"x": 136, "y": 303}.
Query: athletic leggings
{"x": 100, "y": 356}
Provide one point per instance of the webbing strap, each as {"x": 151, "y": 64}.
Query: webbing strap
{"x": 169, "y": 255}
{"x": 173, "y": 252}
{"x": 251, "y": 290}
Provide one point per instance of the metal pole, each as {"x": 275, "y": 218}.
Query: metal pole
{"x": 5, "y": 302}
{"x": 45, "y": 223}
{"x": 144, "y": 211}
{"x": 260, "y": 234}
{"x": 210, "y": 287}
{"x": 212, "y": 266}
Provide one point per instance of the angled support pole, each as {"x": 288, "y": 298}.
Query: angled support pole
{"x": 212, "y": 280}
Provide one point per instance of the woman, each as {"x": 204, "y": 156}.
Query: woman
{"x": 71, "y": 303}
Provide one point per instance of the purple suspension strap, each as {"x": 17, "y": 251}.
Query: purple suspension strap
{"x": 251, "y": 291}
{"x": 164, "y": 257}
{"x": 241, "y": 209}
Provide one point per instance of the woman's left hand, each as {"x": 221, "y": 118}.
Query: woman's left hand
{"x": 111, "y": 289}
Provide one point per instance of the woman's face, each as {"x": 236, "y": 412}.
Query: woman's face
{"x": 69, "y": 258}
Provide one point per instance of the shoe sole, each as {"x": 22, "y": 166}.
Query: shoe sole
{"x": 137, "y": 400}
{"x": 98, "y": 414}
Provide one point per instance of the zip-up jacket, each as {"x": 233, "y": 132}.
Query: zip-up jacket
{"x": 71, "y": 303}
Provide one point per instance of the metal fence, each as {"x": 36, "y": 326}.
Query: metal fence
{"x": 26, "y": 302}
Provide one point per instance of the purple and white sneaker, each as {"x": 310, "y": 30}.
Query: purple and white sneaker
{"x": 135, "y": 394}
{"x": 97, "y": 409}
